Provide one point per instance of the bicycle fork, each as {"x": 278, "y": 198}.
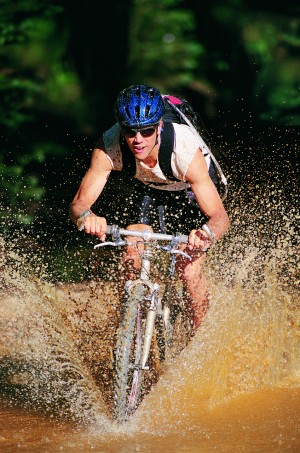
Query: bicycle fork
{"x": 151, "y": 311}
{"x": 150, "y": 320}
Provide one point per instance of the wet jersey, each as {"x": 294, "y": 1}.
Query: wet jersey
{"x": 186, "y": 144}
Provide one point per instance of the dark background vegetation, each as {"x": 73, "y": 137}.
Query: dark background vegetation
{"x": 64, "y": 62}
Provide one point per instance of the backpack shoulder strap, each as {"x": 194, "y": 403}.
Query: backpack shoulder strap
{"x": 166, "y": 149}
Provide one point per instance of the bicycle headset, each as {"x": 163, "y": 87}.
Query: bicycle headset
{"x": 139, "y": 106}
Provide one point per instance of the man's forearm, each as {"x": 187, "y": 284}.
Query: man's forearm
{"x": 77, "y": 208}
{"x": 219, "y": 225}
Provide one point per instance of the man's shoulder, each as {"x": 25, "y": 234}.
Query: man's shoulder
{"x": 111, "y": 136}
{"x": 185, "y": 136}
{"x": 111, "y": 143}
{"x": 113, "y": 131}
{"x": 179, "y": 127}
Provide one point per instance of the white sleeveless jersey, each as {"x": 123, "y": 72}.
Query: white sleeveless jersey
{"x": 186, "y": 144}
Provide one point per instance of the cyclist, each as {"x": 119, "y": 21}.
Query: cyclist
{"x": 156, "y": 198}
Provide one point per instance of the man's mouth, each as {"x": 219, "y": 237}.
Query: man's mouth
{"x": 139, "y": 150}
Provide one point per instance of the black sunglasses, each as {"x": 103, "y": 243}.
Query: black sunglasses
{"x": 145, "y": 132}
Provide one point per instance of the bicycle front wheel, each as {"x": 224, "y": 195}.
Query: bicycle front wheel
{"x": 128, "y": 374}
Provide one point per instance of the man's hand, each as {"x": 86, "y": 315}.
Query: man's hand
{"x": 96, "y": 226}
{"x": 199, "y": 240}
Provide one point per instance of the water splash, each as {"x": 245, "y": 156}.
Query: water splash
{"x": 56, "y": 347}
{"x": 41, "y": 367}
{"x": 249, "y": 341}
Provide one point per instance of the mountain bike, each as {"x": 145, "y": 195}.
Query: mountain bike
{"x": 154, "y": 324}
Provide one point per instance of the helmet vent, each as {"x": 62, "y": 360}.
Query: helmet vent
{"x": 139, "y": 105}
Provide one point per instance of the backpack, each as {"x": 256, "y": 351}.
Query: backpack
{"x": 177, "y": 111}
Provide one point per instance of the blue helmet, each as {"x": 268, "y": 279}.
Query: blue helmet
{"x": 138, "y": 106}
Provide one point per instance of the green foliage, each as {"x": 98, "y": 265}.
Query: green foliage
{"x": 163, "y": 47}
{"x": 55, "y": 76}
{"x": 34, "y": 82}
{"x": 272, "y": 43}
{"x": 36, "y": 76}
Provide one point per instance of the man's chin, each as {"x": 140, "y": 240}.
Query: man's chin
{"x": 140, "y": 155}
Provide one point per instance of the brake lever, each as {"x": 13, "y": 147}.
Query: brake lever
{"x": 180, "y": 252}
{"x": 113, "y": 244}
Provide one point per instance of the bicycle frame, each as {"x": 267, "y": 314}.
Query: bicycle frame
{"x": 149, "y": 241}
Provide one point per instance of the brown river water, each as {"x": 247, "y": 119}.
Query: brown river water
{"x": 235, "y": 388}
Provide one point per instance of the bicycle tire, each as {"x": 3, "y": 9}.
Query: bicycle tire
{"x": 129, "y": 385}
{"x": 178, "y": 330}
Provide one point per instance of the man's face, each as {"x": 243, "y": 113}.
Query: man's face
{"x": 141, "y": 141}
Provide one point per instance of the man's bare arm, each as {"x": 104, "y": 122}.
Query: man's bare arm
{"x": 207, "y": 198}
{"x": 89, "y": 190}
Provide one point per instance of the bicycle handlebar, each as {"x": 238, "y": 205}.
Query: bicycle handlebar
{"x": 146, "y": 235}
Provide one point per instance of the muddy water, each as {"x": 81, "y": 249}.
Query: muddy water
{"x": 235, "y": 388}
{"x": 262, "y": 421}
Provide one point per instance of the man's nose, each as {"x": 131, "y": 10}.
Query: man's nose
{"x": 138, "y": 137}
